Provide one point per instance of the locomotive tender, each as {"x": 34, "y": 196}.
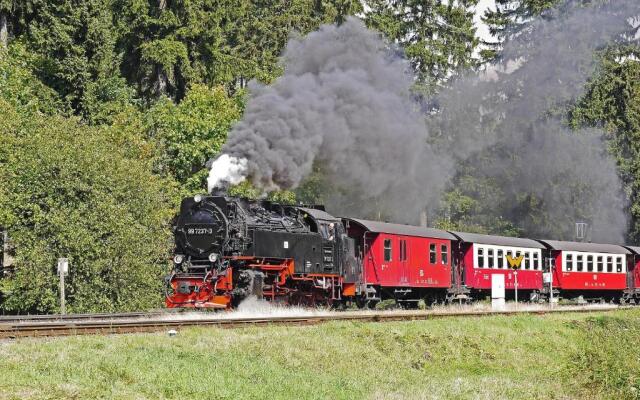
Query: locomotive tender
{"x": 230, "y": 248}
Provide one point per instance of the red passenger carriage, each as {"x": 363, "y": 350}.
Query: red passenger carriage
{"x": 402, "y": 262}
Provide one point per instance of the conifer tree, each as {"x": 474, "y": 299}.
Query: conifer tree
{"x": 437, "y": 36}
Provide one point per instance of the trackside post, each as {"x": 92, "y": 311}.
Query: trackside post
{"x": 63, "y": 269}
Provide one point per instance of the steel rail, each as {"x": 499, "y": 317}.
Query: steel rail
{"x": 75, "y": 317}
{"x": 65, "y": 328}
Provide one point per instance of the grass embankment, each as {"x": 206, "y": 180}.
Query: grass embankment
{"x": 553, "y": 356}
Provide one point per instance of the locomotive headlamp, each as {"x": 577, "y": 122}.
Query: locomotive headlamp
{"x": 213, "y": 257}
{"x": 178, "y": 259}
{"x": 197, "y": 198}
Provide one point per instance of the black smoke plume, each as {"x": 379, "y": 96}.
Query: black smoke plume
{"x": 343, "y": 102}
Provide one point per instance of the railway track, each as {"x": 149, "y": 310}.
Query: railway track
{"x": 146, "y": 322}
{"x": 76, "y": 317}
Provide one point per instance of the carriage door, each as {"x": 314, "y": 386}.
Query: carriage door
{"x": 632, "y": 272}
{"x": 403, "y": 262}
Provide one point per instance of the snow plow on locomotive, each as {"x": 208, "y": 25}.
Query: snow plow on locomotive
{"x": 229, "y": 248}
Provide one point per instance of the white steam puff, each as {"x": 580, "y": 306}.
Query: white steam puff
{"x": 227, "y": 170}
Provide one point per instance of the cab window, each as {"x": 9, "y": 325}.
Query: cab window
{"x": 444, "y": 254}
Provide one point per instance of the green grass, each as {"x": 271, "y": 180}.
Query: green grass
{"x": 567, "y": 356}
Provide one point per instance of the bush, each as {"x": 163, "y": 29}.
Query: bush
{"x": 86, "y": 193}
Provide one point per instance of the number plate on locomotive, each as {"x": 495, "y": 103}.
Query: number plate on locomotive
{"x": 200, "y": 231}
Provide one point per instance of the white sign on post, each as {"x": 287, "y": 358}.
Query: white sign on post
{"x": 63, "y": 266}
{"x": 497, "y": 292}
{"x": 63, "y": 270}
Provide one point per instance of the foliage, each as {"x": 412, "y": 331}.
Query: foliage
{"x": 438, "y": 37}
{"x": 69, "y": 190}
{"x": 77, "y": 192}
{"x": 507, "y": 20}
{"x": 191, "y": 133}
{"x": 612, "y": 101}
{"x": 21, "y": 88}
{"x": 74, "y": 43}
{"x": 169, "y": 46}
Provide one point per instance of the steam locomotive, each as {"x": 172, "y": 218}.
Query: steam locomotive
{"x": 229, "y": 248}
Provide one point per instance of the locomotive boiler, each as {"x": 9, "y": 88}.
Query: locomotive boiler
{"x": 229, "y": 248}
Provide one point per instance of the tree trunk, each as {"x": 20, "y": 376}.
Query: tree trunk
{"x": 4, "y": 30}
{"x": 161, "y": 81}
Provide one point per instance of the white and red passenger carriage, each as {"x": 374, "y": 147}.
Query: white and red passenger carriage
{"x": 588, "y": 270}
{"x": 481, "y": 256}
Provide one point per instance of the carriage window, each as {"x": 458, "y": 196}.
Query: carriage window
{"x": 536, "y": 260}
{"x": 480, "y": 257}
{"x": 387, "y": 249}
{"x": 609, "y": 264}
{"x": 444, "y": 254}
{"x": 580, "y": 264}
{"x": 600, "y": 263}
{"x": 589, "y": 263}
{"x": 527, "y": 260}
{"x": 432, "y": 253}
{"x": 490, "y": 261}
{"x": 500, "y": 259}
{"x": 569, "y": 262}
{"x": 618, "y": 264}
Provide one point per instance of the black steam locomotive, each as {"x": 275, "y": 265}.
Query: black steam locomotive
{"x": 228, "y": 248}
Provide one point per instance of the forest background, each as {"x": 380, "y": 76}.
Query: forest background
{"x": 110, "y": 110}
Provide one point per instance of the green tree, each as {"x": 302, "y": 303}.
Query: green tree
{"x": 437, "y": 36}
{"x": 612, "y": 102}
{"x": 87, "y": 193}
{"x": 170, "y": 45}
{"x": 75, "y": 47}
{"x": 192, "y": 132}
{"x": 507, "y": 19}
